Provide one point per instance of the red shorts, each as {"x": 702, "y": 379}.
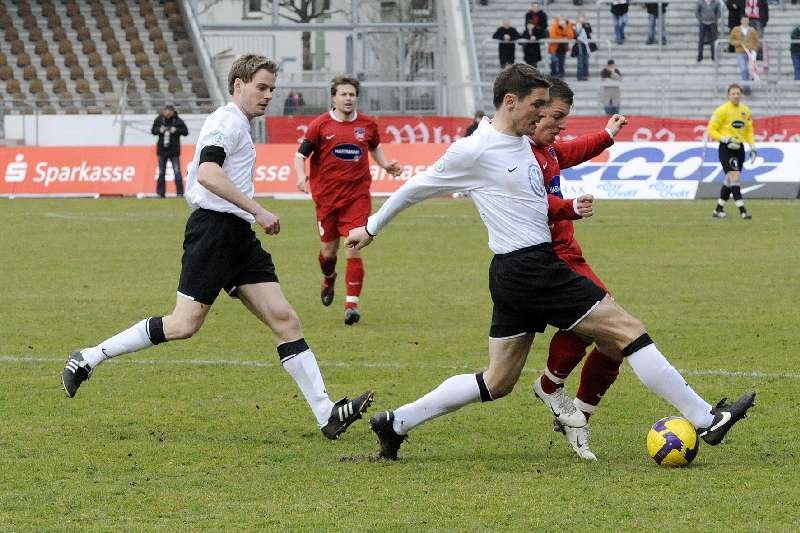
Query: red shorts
{"x": 579, "y": 265}
{"x": 335, "y": 223}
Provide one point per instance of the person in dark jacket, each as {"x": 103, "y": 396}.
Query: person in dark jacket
{"x": 654, "y": 16}
{"x": 169, "y": 127}
{"x": 506, "y": 34}
{"x": 794, "y": 50}
{"x": 475, "y": 123}
{"x": 532, "y": 52}
{"x": 735, "y": 14}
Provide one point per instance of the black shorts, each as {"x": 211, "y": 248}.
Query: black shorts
{"x": 732, "y": 160}
{"x": 221, "y": 251}
{"x": 532, "y": 288}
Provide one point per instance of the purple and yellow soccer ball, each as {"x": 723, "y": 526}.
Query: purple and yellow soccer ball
{"x": 672, "y": 442}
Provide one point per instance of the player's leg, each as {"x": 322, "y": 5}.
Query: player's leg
{"x": 329, "y": 248}
{"x": 728, "y": 161}
{"x": 507, "y": 357}
{"x": 184, "y": 321}
{"x": 734, "y": 179}
{"x": 355, "y": 214}
{"x": 176, "y": 171}
{"x": 609, "y": 323}
{"x": 161, "y": 186}
{"x": 267, "y": 302}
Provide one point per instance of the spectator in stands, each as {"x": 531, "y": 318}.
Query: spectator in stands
{"x": 560, "y": 29}
{"x": 735, "y": 13}
{"x": 619, "y": 13}
{"x": 532, "y": 51}
{"x": 475, "y": 123}
{"x": 794, "y": 49}
{"x": 169, "y": 127}
{"x": 653, "y": 16}
{"x": 744, "y": 40}
{"x": 293, "y": 103}
{"x": 506, "y": 34}
{"x": 583, "y": 48}
{"x": 758, "y": 13}
{"x": 612, "y": 96}
{"x": 538, "y": 18}
{"x": 707, "y": 13}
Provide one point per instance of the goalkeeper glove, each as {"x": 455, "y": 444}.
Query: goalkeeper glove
{"x": 734, "y": 144}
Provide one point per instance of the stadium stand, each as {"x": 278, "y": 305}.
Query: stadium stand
{"x": 82, "y": 56}
{"x": 656, "y": 82}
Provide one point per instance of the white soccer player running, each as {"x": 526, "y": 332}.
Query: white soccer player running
{"x": 221, "y": 251}
{"x": 530, "y": 286}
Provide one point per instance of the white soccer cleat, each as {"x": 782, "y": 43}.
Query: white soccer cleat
{"x": 561, "y": 405}
{"x": 578, "y": 438}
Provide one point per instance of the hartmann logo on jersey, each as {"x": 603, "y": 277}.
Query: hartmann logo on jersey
{"x": 348, "y": 152}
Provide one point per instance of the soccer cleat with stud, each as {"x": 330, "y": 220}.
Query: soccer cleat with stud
{"x": 578, "y": 438}
{"x": 344, "y": 413}
{"x": 351, "y": 316}
{"x": 725, "y": 416}
{"x": 388, "y": 438}
{"x": 561, "y": 405}
{"x": 326, "y": 292}
{"x": 718, "y": 214}
{"x": 746, "y": 215}
{"x": 75, "y": 372}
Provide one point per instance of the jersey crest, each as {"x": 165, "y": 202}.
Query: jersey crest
{"x": 360, "y": 133}
{"x": 536, "y": 179}
{"x": 551, "y": 151}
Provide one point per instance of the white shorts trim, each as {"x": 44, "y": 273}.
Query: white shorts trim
{"x": 509, "y": 337}
{"x": 186, "y": 296}
{"x": 584, "y": 315}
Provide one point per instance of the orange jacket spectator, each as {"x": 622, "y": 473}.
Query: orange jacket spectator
{"x": 560, "y": 29}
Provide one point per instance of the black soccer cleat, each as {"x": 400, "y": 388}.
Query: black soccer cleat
{"x": 351, "y": 316}
{"x": 75, "y": 372}
{"x": 725, "y": 416}
{"x": 746, "y": 215}
{"x": 390, "y": 441}
{"x": 326, "y": 292}
{"x": 344, "y": 413}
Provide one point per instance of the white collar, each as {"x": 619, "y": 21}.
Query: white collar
{"x": 334, "y": 117}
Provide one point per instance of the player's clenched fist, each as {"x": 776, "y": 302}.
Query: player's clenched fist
{"x": 358, "y": 238}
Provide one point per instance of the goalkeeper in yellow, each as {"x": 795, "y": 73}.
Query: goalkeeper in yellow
{"x": 732, "y": 126}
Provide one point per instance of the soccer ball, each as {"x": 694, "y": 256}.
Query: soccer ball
{"x": 672, "y": 442}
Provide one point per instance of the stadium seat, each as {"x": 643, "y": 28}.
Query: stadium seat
{"x": 170, "y": 71}
{"x": 137, "y": 46}
{"x": 175, "y": 85}
{"x": 106, "y": 32}
{"x": 40, "y": 48}
{"x": 147, "y": 72}
{"x": 78, "y": 21}
{"x": 28, "y": 73}
{"x": 105, "y": 86}
{"x": 47, "y": 59}
{"x": 53, "y": 21}
{"x": 73, "y": 9}
{"x": 100, "y": 73}
{"x": 95, "y": 59}
{"x": 35, "y": 86}
{"x": 155, "y": 34}
{"x": 89, "y": 47}
{"x": 6, "y": 73}
{"x": 123, "y": 72}
{"x": 184, "y": 47}
{"x": 84, "y": 34}
{"x": 60, "y": 86}
{"x": 70, "y": 59}
{"x": 53, "y": 73}
{"x": 16, "y": 43}
{"x": 113, "y": 48}
{"x": 152, "y": 85}
{"x": 23, "y": 60}
{"x": 59, "y": 34}
{"x": 118, "y": 59}
{"x": 76, "y": 73}
{"x": 131, "y": 33}
{"x": 82, "y": 86}
{"x": 64, "y": 47}
{"x": 171, "y": 8}
{"x": 29, "y": 22}
{"x": 13, "y": 87}
{"x": 35, "y": 34}
{"x": 3, "y": 60}
{"x": 141, "y": 59}
{"x": 164, "y": 58}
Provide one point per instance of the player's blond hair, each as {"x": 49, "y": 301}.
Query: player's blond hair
{"x": 245, "y": 67}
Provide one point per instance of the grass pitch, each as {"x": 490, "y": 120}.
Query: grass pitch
{"x": 210, "y": 433}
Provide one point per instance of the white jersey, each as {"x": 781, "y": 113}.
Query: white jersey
{"x": 502, "y": 177}
{"x": 228, "y": 128}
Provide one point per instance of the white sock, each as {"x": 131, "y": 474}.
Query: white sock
{"x": 133, "y": 339}
{"x": 452, "y": 394}
{"x": 658, "y": 375}
{"x": 305, "y": 371}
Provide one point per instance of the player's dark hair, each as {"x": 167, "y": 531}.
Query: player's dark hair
{"x": 559, "y": 89}
{"x": 344, "y": 80}
{"x": 245, "y": 67}
{"x": 518, "y": 79}
{"x": 733, "y": 86}
{"x": 479, "y": 114}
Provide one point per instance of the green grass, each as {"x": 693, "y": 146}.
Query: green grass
{"x": 175, "y": 438}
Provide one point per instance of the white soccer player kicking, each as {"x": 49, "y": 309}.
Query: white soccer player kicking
{"x": 530, "y": 287}
{"x": 221, "y": 251}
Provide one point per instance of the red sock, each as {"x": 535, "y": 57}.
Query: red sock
{"x": 355, "y": 280}
{"x": 598, "y": 373}
{"x": 566, "y": 351}
{"x": 328, "y": 266}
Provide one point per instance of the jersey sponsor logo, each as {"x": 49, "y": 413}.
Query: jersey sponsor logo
{"x": 360, "y": 133}
{"x": 555, "y": 187}
{"x": 17, "y": 170}
{"x": 737, "y": 124}
{"x": 348, "y": 152}
{"x": 536, "y": 179}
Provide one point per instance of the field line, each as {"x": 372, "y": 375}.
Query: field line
{"x": 381, "y": 365}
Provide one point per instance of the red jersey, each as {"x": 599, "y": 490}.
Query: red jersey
{"x": 339, "y": 170}
{"x": 552, "y": 159}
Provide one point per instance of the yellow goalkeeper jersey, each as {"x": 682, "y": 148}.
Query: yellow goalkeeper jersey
{"x": 733, "y": 121}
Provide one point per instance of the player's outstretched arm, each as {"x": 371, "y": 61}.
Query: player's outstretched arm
{"x": 358, "y": 238}
{"x": 392, "y": 167}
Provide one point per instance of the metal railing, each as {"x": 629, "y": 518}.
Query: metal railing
{"x": 485, "y": 54}
{"x": 659, "y": 26}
